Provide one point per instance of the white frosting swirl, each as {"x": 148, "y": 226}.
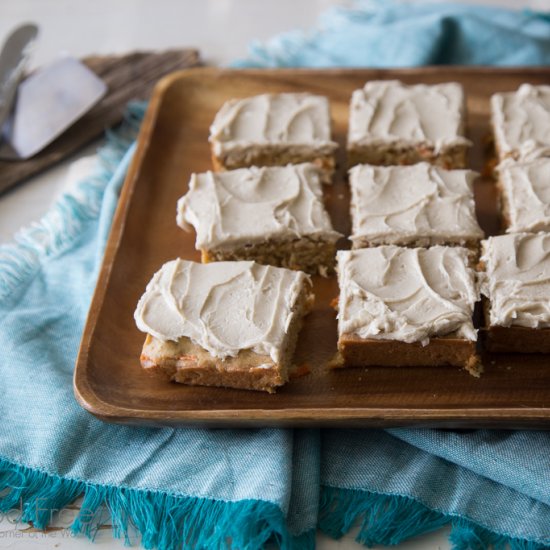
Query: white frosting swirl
{"x": 517, "y": 280}
{"x": 388, "y": 112}
{"x": 526, "y": 186}
{"x": 251, "y": 205}
{"x": 224, "y": 307}
{"x": 521, "y": 122}
{"x": 403, "y": 204}
{"x": 288, "y": 118}
{"x": 406, "y": 294}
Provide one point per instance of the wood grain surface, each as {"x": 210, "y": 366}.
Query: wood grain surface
{"x": 128, "y": 77}
{"x": 513, "y": 392}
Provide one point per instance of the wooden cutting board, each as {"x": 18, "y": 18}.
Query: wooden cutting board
{"x": 128, "y": 77}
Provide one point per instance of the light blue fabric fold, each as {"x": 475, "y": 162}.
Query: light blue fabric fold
{"x": 480, "y": 481}
{"x": 380, "y": 33}
{"x": 198, "y": 488}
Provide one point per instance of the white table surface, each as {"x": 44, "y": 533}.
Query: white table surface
{"x": 221, "y": 30}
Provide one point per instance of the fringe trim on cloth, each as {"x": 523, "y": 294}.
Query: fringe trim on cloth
{"x": 391, "y": 519}
{"x": 164, "y": 521}
{"x": 62, "y": 225}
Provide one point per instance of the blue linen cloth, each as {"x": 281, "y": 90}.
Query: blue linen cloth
{"x": 386, "y": 33}
{"x": 212, "y": 488}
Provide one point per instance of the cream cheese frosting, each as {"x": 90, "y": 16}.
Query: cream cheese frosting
{"x": 251, "y": 205}
{"x": 388, "y": 112}
{"x": 526, "y": 186}
{"x": 224, "y": 307}
{"x": 521, "y": 122}
{"x": 288, "y": 118}
{"x": 517, "y": 279}
{"x": 406, "y": 294}
{"x": 404, "y": 204}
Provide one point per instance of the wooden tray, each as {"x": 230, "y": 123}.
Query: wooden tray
{"x": 513, "y": 392}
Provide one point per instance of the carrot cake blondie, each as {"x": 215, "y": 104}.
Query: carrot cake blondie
{"x": 407, "y": 307}
{"x": 521, "y": 123}
{"x": 231, "y": 324}
{"x": 271, "y": 215}
{"x": 517, "y": 287}
{"x": 524, "y": 192}
{"x": 393, "y": 123}
{"x": 273, "y": 130}
{"x": 419, "y": 205}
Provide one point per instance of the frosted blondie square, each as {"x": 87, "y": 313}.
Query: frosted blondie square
{"x": 394, "y": 123}
{"x": 272, "y": 215}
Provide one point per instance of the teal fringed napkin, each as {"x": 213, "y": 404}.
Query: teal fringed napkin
{"x": 196, "y": 488}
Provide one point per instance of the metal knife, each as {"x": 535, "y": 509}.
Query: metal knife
{"x": 13, "y": 60}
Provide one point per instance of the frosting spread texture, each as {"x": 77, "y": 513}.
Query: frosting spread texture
{"x": 521, "y": 122}
{"x": 224, "y": 307}
{"x": 251, "y": 205}
{"x": 517, "y": 279}
{"x": 406, "y": 294}
{"x": 526, "y": 186}
{"x": 286, "y": 118}
{"x": 403, "y": 204}
{"x": 388, "y": 112}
